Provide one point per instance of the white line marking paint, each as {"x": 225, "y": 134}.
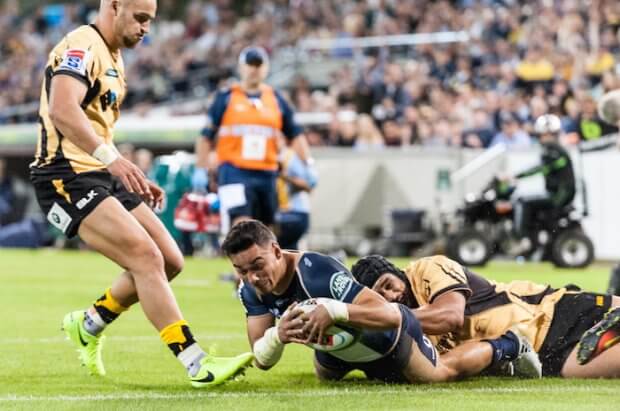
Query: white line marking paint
{"x": 154, "y": 337}
{"x": 302, "y": 394}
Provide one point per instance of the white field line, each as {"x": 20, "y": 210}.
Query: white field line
{"x": 303, "y": 394}
{"x": 61, "y": 339}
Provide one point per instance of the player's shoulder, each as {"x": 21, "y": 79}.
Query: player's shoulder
{"x": 222, "y": 96}
{"x": 247, "y": 294}
{"x": 84, "y": 37}
{"x": 312, "y": 261}
{"x": 324, "y": 276}
{"x": 434, "y": 264}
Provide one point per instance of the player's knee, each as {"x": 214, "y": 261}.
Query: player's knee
{"x": 174, "y": 265}
{"x": 145, "y": 257}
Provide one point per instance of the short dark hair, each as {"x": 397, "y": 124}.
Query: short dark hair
{"x": 244, "y": 235}
{"x": 367, "y": 270}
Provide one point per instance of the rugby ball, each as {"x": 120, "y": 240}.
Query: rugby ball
{"x": 337, "y": 337}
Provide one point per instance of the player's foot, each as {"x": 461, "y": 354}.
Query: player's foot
{"x": 88, "y": 346}
{"x": 602, "y": 336}
{"x": 217, "y": 370}
{"x": 527, "y": 364}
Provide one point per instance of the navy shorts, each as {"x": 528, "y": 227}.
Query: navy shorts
{"x": 67, "y": 198}
{"x": 389, "y": 368}
{"x": 256, "y": 198}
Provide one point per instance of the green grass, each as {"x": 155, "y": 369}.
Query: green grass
{"x": 38, "y": 369}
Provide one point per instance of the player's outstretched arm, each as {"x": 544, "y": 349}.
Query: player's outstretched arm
{"x": 67, "y": 115}
{"x": 445, "y": 314}
{"x": 369, "y": 310}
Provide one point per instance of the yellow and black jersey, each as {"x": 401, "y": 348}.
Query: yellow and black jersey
{"x": 84, "y": 55}
{"x": 491, "y": 307}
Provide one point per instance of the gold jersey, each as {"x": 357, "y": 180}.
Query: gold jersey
{"x": 84, "y": 55}
{"x": 491, "y": 307}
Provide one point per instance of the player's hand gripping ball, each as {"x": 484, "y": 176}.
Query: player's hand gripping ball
{"x": 337, "y": 337}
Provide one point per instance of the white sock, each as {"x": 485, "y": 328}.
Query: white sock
{"x": 190, "y": 358}
{"x": 93, "y": 323}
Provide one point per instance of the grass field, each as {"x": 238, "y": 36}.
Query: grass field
{"x": 39, "y": 370}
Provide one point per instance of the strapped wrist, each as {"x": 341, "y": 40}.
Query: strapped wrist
{"x": 268, "y": 349}
{"x": 338, "y": 311}
{"x": 105, "y": 154}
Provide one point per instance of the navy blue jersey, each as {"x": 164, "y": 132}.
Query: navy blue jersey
{"x": 216, "y": 111}
{"x": 316, "y": 275}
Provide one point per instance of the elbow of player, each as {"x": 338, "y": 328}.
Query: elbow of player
{"x": 261, "y": 366}
{"x": 394, "y": 316}
{"x": 56, "y": 114}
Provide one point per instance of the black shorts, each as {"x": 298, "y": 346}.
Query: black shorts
{"x": 66, "y": 199}
{"x": 389, "y": 368}
{"x": 573, "y": 315}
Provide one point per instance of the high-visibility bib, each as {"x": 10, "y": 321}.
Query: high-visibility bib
{"x": 248, "y": 134}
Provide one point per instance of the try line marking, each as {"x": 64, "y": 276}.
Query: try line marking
{"x": 335, "y": 392}
{"x": 61, "y": 339}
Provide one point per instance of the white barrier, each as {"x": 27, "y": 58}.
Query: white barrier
{"x": 356, "y": 190}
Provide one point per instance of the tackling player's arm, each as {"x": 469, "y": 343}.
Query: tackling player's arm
{"x": 67, "y": 115}
{"x": 445, "y": 314}
{"x": 441, "y": 288}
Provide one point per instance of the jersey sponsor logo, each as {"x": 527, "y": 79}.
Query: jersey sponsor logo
{"x": 87, "y": 199}
{"x": 339, "y": 285}
{"x": 59, "y": 218}
{"x": 111, "y": 73}
{"x": 75, "y": 60}
{"x": 307, "y": 262}
{"x": 109, "y": 99}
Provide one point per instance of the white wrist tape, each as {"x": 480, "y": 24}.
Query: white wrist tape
{"x": 105, "y": 154}
{"x": 268, "y": 349}
{"x": 337, "y": 310}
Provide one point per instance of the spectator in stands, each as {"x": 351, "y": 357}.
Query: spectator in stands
{"x": 481, "y": 133}
{"x": 344, "y": 129}
{"x": 393, "y": 133}
{"x": 296, "y": 180}
{"x": 534, "y": 69}
{"x": 144, "y": 160}
{"x": 511, "y": 134}
{"x": 7, "y": 194}
{"x": 368, "y": 135}
{"x": 570, "y": 49}
{"x": 588, "y": 126}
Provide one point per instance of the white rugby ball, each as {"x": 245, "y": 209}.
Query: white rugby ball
{"x": 337, "y": 336}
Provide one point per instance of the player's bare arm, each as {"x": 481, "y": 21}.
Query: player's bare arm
{"x": 369, "y": 310}
{"x": 66, "y": 96}
{"x": 445, "y": 314}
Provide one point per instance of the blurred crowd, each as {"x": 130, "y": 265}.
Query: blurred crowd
{"x": 523, "y": 59}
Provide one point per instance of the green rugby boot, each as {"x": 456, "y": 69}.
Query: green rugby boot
{"x": 599, "y": 338}
{"x": 217, "y": 370}
{"x": 87, "y": 345}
